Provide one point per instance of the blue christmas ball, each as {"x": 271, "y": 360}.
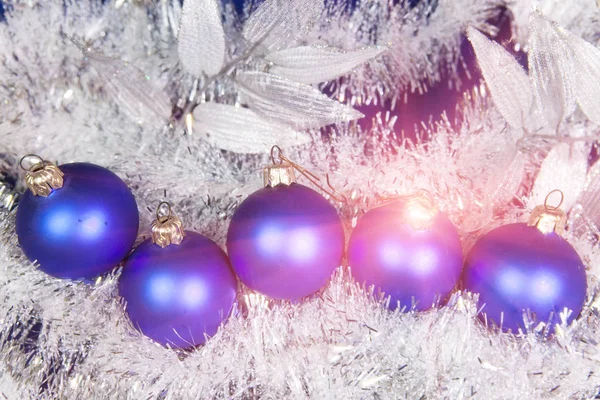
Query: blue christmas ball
{"x": 285, "y": 241}
{"x": 178, "y": 294}
{"x": 83, "y": 229}
{"x": 416, "y": 266}
{"x": 516, "y": 267}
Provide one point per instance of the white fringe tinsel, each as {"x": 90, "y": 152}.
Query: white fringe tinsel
{"x": 60, "y": 339}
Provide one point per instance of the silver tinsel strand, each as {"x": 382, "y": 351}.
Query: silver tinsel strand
{"x": 123, "y": 96}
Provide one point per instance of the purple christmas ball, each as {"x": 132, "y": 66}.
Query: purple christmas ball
{"x": 416, "y": 266}
{"x": 83, "y": 229}
{"x": 516, "y": 267}
{"x": 178, "y": 294}
{"x": 285, "y": 241}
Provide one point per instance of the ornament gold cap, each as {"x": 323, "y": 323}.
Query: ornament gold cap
{"x": 283, "y": 172}
{"x": 42, "y": 176}
{"x": 278, "y": 173}
{"x": 167, "y": 228}
{"x": 547, "y": 218}
{"x": 274, "y": 175}
{"x": 418, "y": 210}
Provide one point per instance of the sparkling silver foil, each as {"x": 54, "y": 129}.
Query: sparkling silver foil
{"x": 71, "y": 340}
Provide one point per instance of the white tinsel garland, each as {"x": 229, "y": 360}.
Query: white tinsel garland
{"x": 61, "y": 339}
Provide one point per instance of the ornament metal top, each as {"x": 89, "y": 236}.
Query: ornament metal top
{"x": 167, "y": 229}
{"x": 417, "y": 210}
{"x": 547, "y": 218}
{"x": 42, "y": 176}
{"x": 282, "y": 172}
{"x": 278, "y": 172}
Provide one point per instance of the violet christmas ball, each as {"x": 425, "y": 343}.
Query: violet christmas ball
{"x": 178, "y": 294}
{"x": 82, "y": 229}
{"x": 285, "y": 241}
{"x": 517, "y": 267}
{"x": 409, "y": 252}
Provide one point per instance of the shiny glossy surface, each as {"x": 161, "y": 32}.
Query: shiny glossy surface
{"x": 285, "y": 241}
{"x": 177, "y": 294}
{"x": 83, "y": 229}
{"x": 517, "y": 267}
{"x": 413, "y": 267}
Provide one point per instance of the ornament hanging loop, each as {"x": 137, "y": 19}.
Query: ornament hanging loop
{"x": 284, "y": 168}
{"x": 160, "y": 211}
{"x": 548, "y": 219}
{"x": 167, "y": 228}
{"x": 278, "y": 173}
{"x": 34, "y": 165}
{"x": 42, "y": 177}
{"x": 276, "y": 150}
{"x": 562, "y": 198}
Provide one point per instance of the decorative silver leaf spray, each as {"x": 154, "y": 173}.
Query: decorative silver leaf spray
{"x": 564, "y": 71}
{"x": 201, "y": 38}
{"x": 275, "y": 105}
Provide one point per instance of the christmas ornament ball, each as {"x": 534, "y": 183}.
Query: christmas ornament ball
{"x": 411, "y": 253}
{"x": 178, "y": 294}
{"x": 517, "y": 267}
{"x": 82, "y": 229}
{"x": 285, "y": 241}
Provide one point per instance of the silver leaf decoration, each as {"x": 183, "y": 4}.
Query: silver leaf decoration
{"x": 201, "y": 37}
{"x": 586, "y": 63}
{"x": 241, "y": 130}
{"x": 590, "y": 201}
{"x": 288, "y": 102}
{"x": 506, "y": 179}
{"x": 134, "y": 91}
{"x": 507, "y": 81}
{"x": 310, "y": 64}
{"x": 551, "y": 71}
{"x": 278, "y": 24}
{"x": 564, "y": 168}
